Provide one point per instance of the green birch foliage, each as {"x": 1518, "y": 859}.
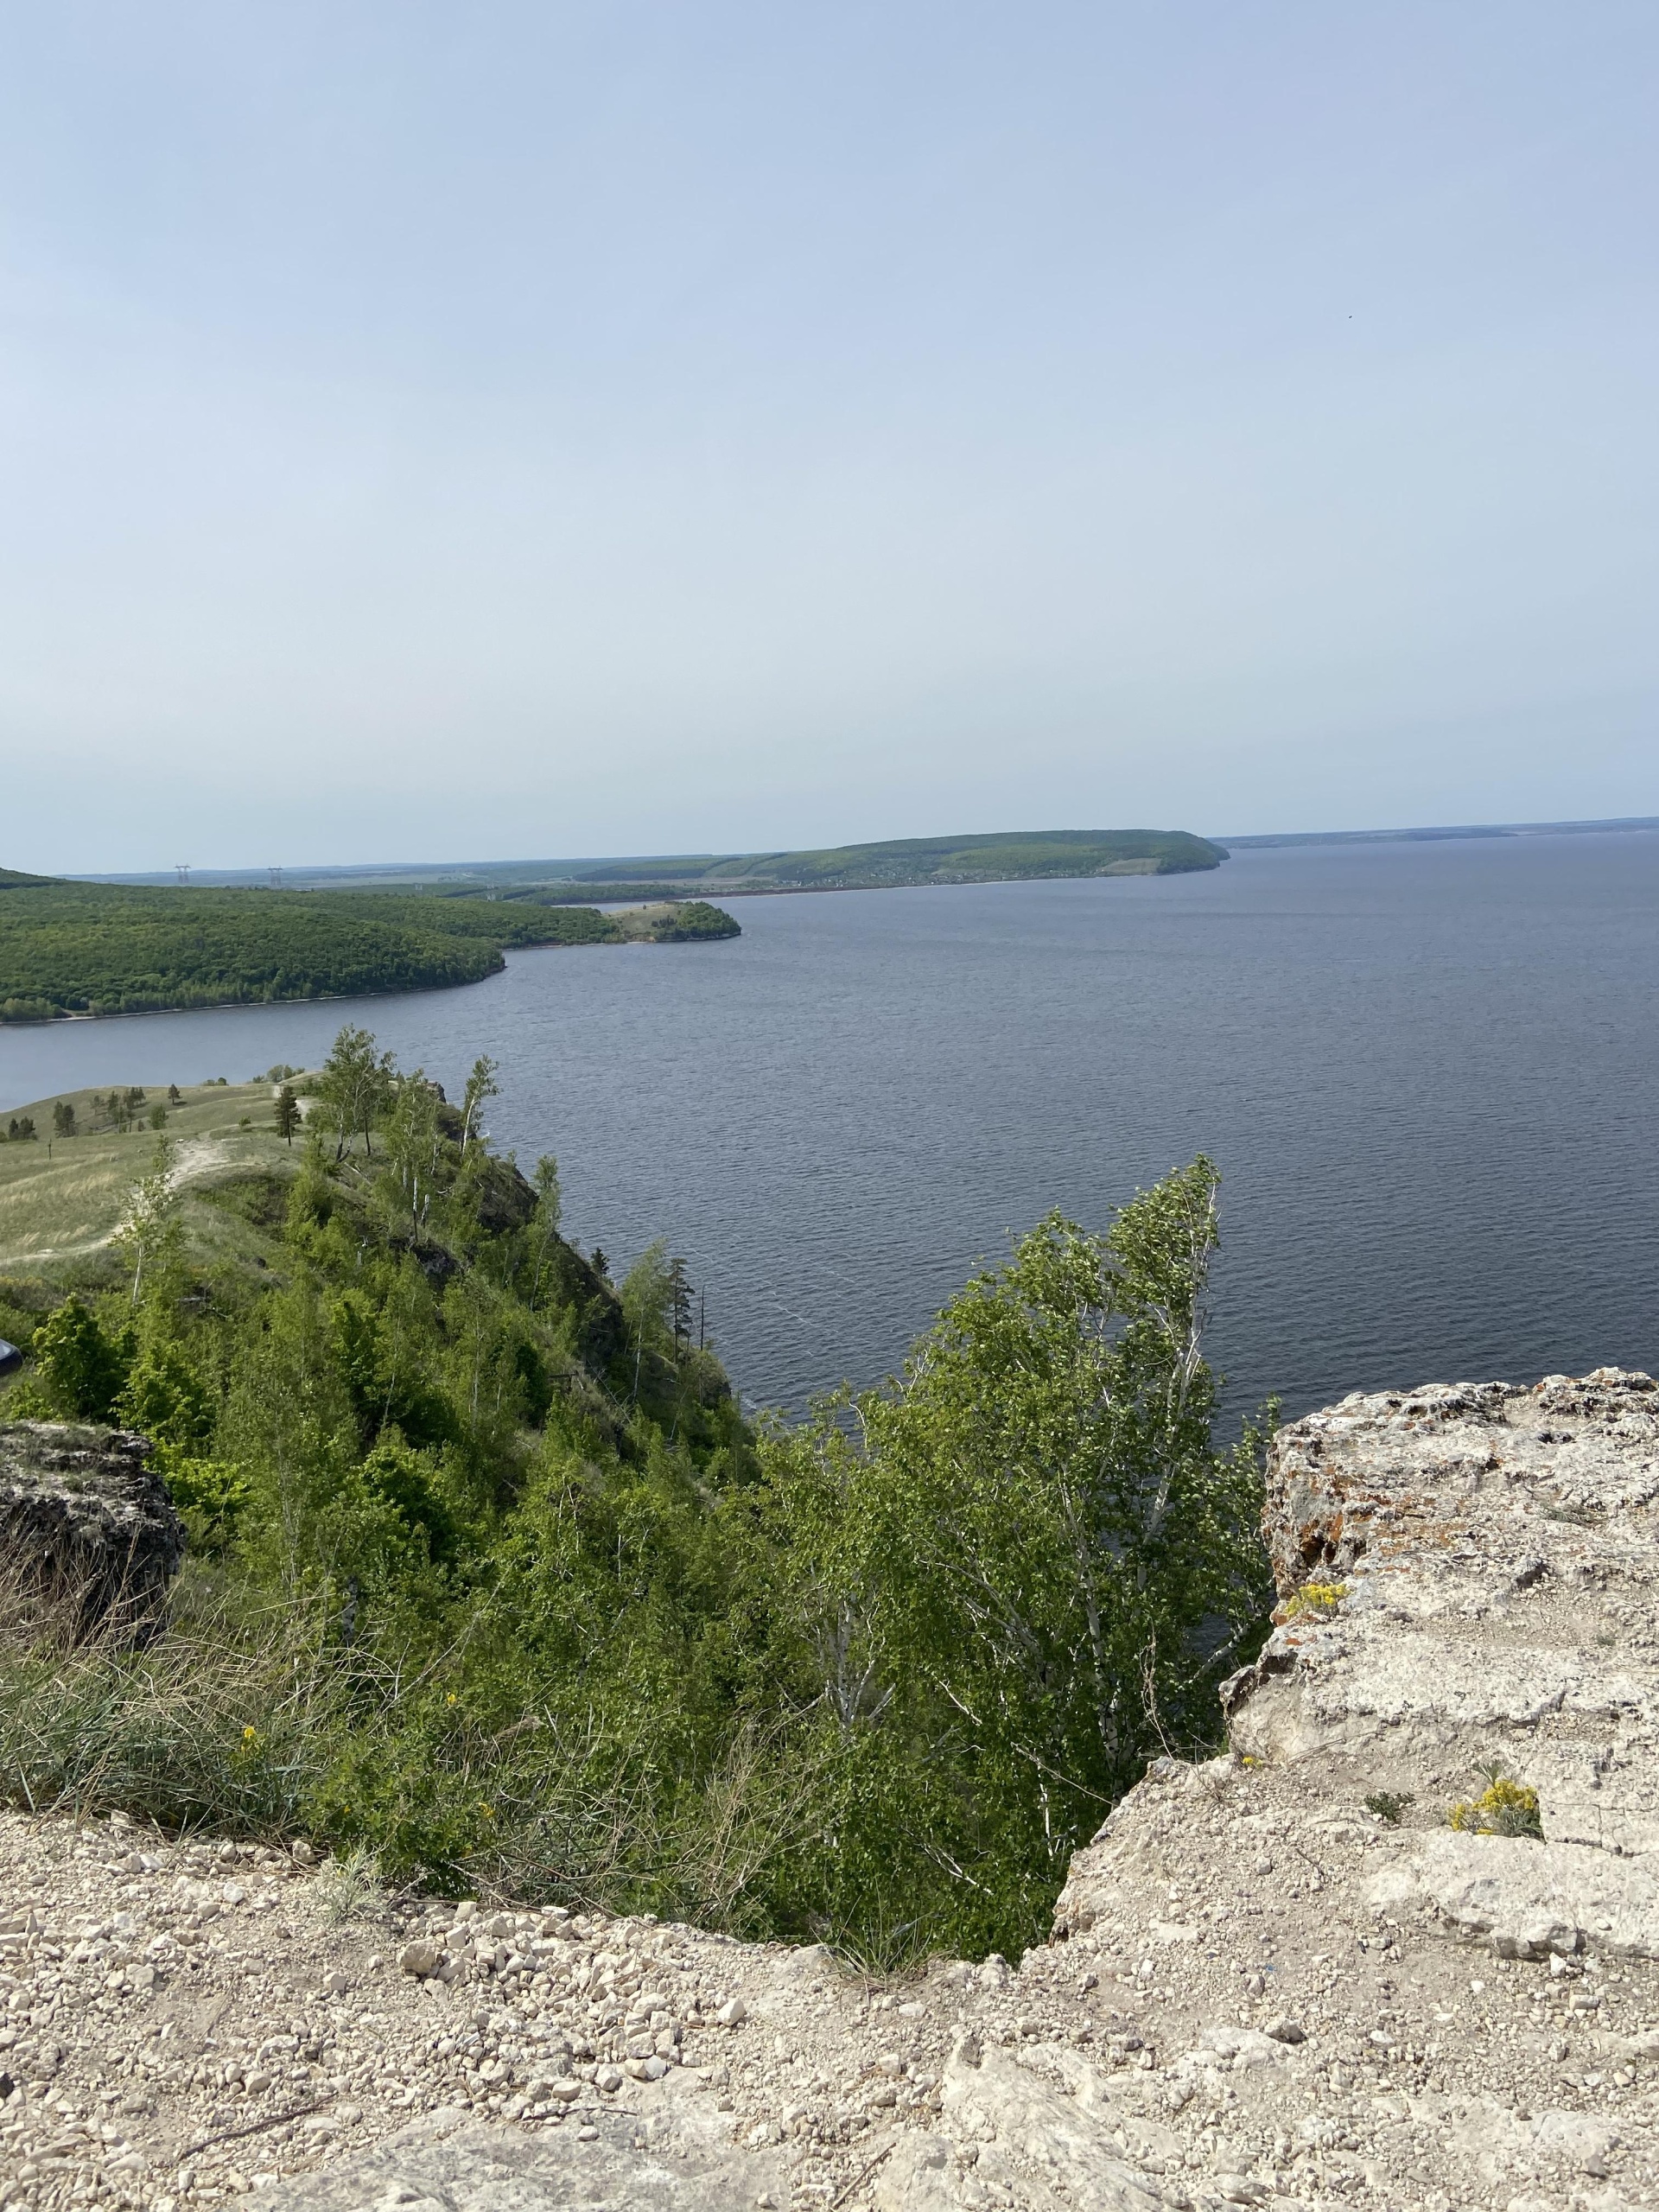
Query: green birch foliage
{"x": 149, "y": 1234}
{"x": 1023, "y": 1568}
{"x": 355, "y": 1087}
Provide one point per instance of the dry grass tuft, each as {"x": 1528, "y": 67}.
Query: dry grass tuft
{"x": 211, "y": 1720}
{"x": 262, "y": 1723}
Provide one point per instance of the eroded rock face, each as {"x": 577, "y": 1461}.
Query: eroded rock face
{"x": 1469, "y": 1584}
{"x": 84, "y": 1524}
{"x": 1496, "y": 1554}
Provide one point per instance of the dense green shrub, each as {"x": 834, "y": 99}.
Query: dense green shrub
{"x": 82, "y": 1364}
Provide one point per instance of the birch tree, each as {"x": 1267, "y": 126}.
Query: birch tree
{"x": 149, "y": 1234}
{"x": 355, "y": 1087}
{"x": 1025, "y": 1560}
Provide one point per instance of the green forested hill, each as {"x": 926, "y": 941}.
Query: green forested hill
{"x": 98, "y": 948}
{"x": 998, "y": 857}
{"x": 490, "y": 1582}
{"x": 984, "y": 857}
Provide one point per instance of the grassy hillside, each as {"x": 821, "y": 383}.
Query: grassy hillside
{"x": 999, "y": 857}
{"x": 97, "y": 948}
{"x": 62, "y": 1198}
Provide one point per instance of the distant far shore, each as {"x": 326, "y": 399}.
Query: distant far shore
{"x": 893, "y": 863}
{"x": 1432, "y": 834}
{"x": 624, "y": 877}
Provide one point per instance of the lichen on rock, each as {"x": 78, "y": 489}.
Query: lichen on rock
{"x": 87, "y": 1531}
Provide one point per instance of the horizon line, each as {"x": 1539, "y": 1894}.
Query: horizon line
{"x": 1255, "y": 839}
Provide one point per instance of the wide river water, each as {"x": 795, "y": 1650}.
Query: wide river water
{"x": 1428, "y": 1072}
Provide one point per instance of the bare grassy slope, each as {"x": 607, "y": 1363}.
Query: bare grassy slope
{"x": 62, "y": 1198}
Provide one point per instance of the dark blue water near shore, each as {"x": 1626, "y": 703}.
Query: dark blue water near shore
{"x": 1429, "y": 1073}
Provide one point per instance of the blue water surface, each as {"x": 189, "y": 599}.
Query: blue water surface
{"x": 1428, "y": 1072}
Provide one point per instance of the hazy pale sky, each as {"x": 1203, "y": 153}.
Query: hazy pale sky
{"x": 433, "y": 432}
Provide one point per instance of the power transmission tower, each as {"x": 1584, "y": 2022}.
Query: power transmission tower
{"x": 183, "y": 866}
{"x": 276, "y": 878}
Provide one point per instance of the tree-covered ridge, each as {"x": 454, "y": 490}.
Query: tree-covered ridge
{"x": 85, "y": 948}
{"x": 996, "y": 857}
{"x": 491, "y": 1576}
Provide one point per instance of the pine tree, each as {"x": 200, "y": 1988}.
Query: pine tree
{"x": 680, "y": 1299}
{"x": 288, "y": 1114}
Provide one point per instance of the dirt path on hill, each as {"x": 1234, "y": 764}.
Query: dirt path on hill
{"x": 197, "y": 1159}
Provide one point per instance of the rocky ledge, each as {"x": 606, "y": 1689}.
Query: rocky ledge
{"x": 86, "y": 1527}
{"x": 1396, "y": 1948}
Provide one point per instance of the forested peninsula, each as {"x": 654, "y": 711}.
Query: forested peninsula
{"x": 999, "y": 857}
{"x": 70, "y": 948}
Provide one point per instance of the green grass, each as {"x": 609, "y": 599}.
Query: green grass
{"x": 220, "y": 1721}
{"x": 238, "y": 1717}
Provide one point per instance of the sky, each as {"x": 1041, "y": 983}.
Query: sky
{"x": 464, "y": 433}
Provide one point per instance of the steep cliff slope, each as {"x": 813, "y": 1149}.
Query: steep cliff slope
{"x": 1283, "y": 1978}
